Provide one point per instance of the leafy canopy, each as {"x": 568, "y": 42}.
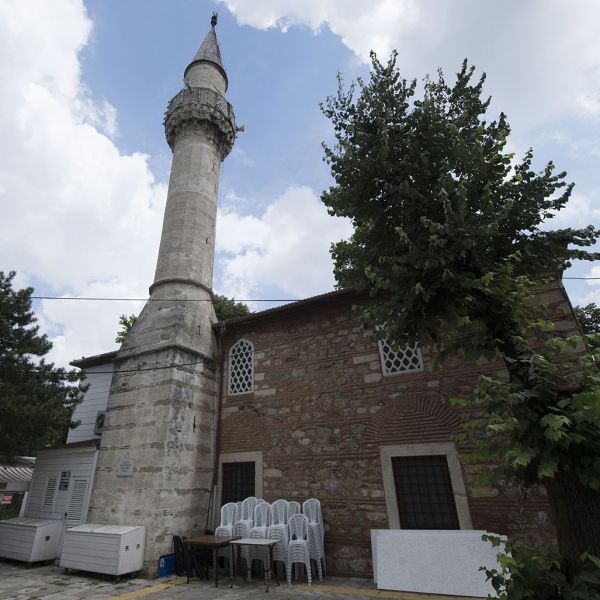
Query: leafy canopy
{"x": 589, "y": 318}
{"x": 446, "y": 225}
{"x": 36, "y": 398}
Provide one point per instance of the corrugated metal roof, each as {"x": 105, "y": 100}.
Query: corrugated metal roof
{"x": 22, "y": 474}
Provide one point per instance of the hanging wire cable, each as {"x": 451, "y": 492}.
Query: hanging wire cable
{"x": 95, "y": 298}
{"x": 161, "y": 299}
{"x": 172, "y": 366}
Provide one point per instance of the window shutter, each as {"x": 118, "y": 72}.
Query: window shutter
{"x": 76, "y": 500}
{"x": 49, "y": 492}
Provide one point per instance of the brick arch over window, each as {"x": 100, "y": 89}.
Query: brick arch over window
{"x": 242, "y": 433}
{"x": 413, "y": 418}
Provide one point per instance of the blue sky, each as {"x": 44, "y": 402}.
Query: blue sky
{"x": 85, "y": 164}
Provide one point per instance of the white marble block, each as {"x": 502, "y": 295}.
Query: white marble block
{"x": 433, "y": 562}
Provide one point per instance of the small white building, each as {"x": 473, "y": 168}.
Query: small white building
{"x": 61, "y": 484}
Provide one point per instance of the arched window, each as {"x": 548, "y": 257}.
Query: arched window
{"x": 400, "y": 359}
{"x": 241, "y": 367}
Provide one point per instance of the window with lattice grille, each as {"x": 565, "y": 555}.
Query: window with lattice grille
{"x": 241, "y": 367}
{"x": 425, "y": 494}
{"x": 399, "y": 359}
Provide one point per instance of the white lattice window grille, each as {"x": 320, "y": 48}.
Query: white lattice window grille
{"x": 241, "y": 367}
{"x": 400, "y": 359}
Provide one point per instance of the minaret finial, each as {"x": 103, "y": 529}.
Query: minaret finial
{"x": 213, "y": 19}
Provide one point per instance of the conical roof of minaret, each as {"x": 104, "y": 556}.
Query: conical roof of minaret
{"x": 209, "y": 51}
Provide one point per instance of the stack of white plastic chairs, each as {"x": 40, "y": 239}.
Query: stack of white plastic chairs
{"x": 298, "y": 529}
{"x": 278, "y": 530}
{"x": 316, "y": 534}
{"x": 298, "y": 545}
{"x": 226, "y": 527}
{"x": 262, "y": 514}
{"x": 244, "y": 523}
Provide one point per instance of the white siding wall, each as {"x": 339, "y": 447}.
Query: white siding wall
{"x": 45, "y": 503}
{"x": 95, "y": 399}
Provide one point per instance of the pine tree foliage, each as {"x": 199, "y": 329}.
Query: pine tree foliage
{"x": 36, "y": 398}
{"x": 451, "y": 239}
{"x": 228, "y": 308}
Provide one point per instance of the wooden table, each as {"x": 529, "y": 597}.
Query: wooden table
{"x": 265, "y": 543}
{"x": 207, "y": 542}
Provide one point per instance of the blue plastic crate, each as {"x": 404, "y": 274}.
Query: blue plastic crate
{"x": 166, "y": 565}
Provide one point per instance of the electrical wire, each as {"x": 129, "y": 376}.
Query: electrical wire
{"x": 162, "y": 299}
{"x": 94, "y": 298}
{"x": 175, "y": 365}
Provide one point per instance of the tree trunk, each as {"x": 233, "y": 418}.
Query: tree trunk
{"x": 576, "y": 509}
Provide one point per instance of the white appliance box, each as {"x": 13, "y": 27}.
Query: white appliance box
{"x": 30, "y": 539}
{"x": 110, "y": 549}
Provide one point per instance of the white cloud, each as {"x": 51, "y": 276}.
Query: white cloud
{"x": 543, "y": 56}
{"x": 578, "y": 212}
{"x": 77, "y": 214}
{"x": 287, "y": 248}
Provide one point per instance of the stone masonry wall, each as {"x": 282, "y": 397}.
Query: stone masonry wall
{"x": 321, "y": 409}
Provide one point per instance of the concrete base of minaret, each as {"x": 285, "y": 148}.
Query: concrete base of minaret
{"x": 161, "y": 418}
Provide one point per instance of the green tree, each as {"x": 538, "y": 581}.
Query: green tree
{"x": 228, "y": 308}
{"x": 225, "y": 308}
{"x": 126, "y": 322}
{"x": 448, "y": 238}
{"x": 589, "y": 318}
{"x": 36, "y": 398}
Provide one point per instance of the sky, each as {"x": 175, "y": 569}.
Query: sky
{"x": 84, "y": 165}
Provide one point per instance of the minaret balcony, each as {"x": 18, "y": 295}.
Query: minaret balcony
{"x": 204, "y": 109}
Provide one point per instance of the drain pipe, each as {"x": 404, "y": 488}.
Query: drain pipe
{"x": 212, "y": 512}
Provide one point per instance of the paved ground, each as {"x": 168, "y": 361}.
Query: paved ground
{"x": 18, "y": 582}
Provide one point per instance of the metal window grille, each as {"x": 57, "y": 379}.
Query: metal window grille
{"x": 424, "y": 491}
{"x": 49, "y": 493}
{"x": 400, "y": 359}
{"x": 241, "y": 367}
{"x": 238, "y": 481}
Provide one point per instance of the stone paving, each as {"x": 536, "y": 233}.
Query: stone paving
{"x": 17, "y": 582}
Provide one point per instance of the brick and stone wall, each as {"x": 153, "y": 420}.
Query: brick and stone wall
{"x": 321, "y": 409}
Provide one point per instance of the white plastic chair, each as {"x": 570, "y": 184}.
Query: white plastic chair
{"x": 279, "y": 512}
{"x": 248, "y": 506}
{"x": 316, "y": 534}
{"x": 294, "y": 508}
{"x": 244, "y": 523}
{"x": 262, "y": 512}
{"x": 298, "y": 547}
{"x": 226, "y": 528}
{"x": 262, "y": 520}
{"x": 280, "y": 533}
{"x": 227, "y": 519}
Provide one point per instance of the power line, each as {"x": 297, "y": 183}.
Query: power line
{"x": 176, "y": 365}
{"x": 95, "y": 298}
{"x": 162, "y": 299}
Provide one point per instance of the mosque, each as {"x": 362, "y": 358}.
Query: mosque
{"x": 294, "y": 402}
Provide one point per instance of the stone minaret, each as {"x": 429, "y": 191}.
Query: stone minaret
{"x": 161, "y": 409}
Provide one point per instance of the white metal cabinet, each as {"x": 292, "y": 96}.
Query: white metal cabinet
{"x": 110, "y": 549}
{"x": 30, "y": 539}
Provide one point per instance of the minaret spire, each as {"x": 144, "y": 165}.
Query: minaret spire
{"x": 209, "y": 51}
